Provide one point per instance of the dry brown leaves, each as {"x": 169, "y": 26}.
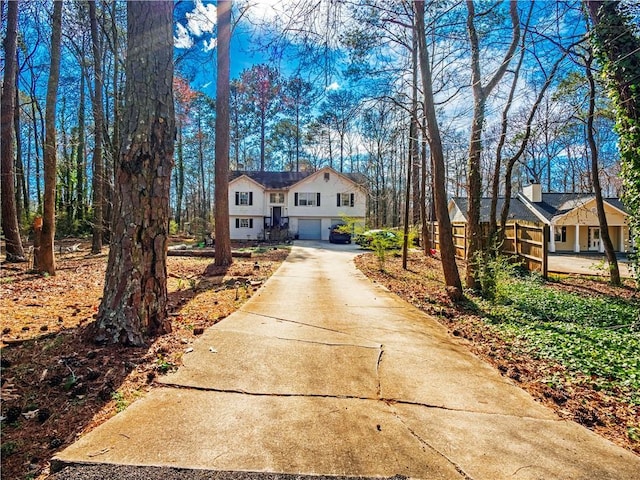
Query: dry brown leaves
{"x": 57, "y": 384}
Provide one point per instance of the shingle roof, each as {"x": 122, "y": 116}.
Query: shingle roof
{"x": 280, "y": 180}
{"x": 554, "y": 204}
{"x": 517, "y": 209}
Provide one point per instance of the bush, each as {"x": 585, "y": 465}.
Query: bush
{"x": 494, "y": 272}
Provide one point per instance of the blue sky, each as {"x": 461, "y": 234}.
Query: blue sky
{"x": 195, "y": 32}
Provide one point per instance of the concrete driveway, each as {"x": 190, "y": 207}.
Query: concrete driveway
{"x": 323, "y": 372}
{"x": 594, "y": 264}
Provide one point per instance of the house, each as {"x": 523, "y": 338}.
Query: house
{"x": 304, "y": 205}
{"x": 572, "y": 218}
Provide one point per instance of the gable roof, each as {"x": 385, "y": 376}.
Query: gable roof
{"x": 558, "y": 204}
{"x": 285, "y": 180}
{"x": 517, "y": 209}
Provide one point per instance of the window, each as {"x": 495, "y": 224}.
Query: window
{"x": 560, "y": 234}
{"x": 244, "y": 222}
{"x": 306, "y": 199}
{"x": 244, "y": 198}
{"x": 277, "y": 197}
{"x": 346, "y": 199}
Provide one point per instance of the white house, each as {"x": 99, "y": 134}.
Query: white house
{"x": 304, "y": 205}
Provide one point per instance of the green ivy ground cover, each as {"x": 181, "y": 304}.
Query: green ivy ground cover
{"x": 594, "y": 335}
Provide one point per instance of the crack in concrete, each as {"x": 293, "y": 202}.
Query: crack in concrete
{"x": 328, "y": 344}
{"x": 379, "y": 389}
{"x": 307, "y": 325}
{"x": 387, "y": 401}
{"x": 458, "y": 468}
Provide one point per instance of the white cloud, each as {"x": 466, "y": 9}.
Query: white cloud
{"x": 202, "y": 19}
{"x": 332, "y": 87}
{"x": 210, "y": 44}
{"x": 183, "y": 39}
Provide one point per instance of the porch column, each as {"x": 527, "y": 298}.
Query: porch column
{"x": 621, "y": 237}
{"x": 552, "y": 238}
{"x": 576, "y": 242}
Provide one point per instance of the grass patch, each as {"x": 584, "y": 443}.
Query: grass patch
{"x": 594, "y": 335}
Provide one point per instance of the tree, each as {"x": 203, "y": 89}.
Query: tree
{"x": 298, "y": 96}
{"x": 445, "y": 231}
{"x": 45, "y": 257}
{"x": 222, "y": 233}
{"x": 98, "y": 165}
{"x": 341, "y": 107}
{"x": 262, "y": 86}
{"x": 617, "y": 46}
{"x": 134, "y": 303}
{"x": 480, "y": 95}
{"x": 595, "y": 176}
{"x": 10, "y": 225}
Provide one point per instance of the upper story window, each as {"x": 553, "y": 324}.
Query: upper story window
{"x": 346, "y": 199}
{"x": 276, "y": 197}
{"x": 244, "y": 198}
{"x": 307, "y": 199}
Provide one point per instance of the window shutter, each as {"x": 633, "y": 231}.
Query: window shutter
{"x": 237, "y": 219}
{"x": 338, "y": 204}
{"x": 237, "y": 198}
{"x": 295, "y": 199}
{"x": 251, "y": 223}
{"x": 250, "y": 198}
{"x": 318, "y": 194}
{"x": 353, "y": 199}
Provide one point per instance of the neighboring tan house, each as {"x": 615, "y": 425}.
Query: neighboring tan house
{"x": 572, "y": 218}
{"x": 304, "y": 205}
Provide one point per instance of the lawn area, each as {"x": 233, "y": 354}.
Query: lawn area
{"x": 572, "y": 342}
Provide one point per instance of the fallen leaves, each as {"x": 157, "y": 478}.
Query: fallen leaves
{"x": 57, "y": 384}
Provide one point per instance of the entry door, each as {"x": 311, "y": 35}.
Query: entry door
{"x": 594, "y": 239}
{"x": 276, "y": 216}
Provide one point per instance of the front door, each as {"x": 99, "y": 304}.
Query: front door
{"x": 594, "y": 239}
{"x": 276, "y": 216}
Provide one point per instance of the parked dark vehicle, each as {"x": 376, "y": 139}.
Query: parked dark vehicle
{"x": 338, "y": 234}
{"x": 386, "y": 238}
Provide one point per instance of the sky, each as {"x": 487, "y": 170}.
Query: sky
{"x": 195, "y": 31}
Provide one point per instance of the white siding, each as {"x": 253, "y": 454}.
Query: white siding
{"x": 254, "y": 232}
{"x": 328, "y": 208}
{"x": 328, "y": 183}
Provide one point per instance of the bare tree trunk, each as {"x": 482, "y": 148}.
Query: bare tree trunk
{"x": 480, "y": 95}
{"x": 222, "y": 233}
{"x": 134, "y": 303}
{"x": 10, "y": 224}
{"x": 595, "y": 178}
{"x": 447, "y": 249}
{"x": 497, "y": 169}
{"x": 179, "y": 179}
{"x": 46, "y": 258}
{"x": 80, "y": 158}
{"x": 98, "y": 119}
{"x": 22, "y": 195}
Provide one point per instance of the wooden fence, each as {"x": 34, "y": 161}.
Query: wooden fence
{"x": 526, "y": 240}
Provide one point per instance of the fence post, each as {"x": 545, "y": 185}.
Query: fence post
{"x": 546, "y": 234}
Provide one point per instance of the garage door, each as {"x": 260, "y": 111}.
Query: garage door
{"x": 309, "y": 229}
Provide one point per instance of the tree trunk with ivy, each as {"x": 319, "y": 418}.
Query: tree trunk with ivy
{"x": 134, "y": 304}
{"x": 617, "y": 46}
